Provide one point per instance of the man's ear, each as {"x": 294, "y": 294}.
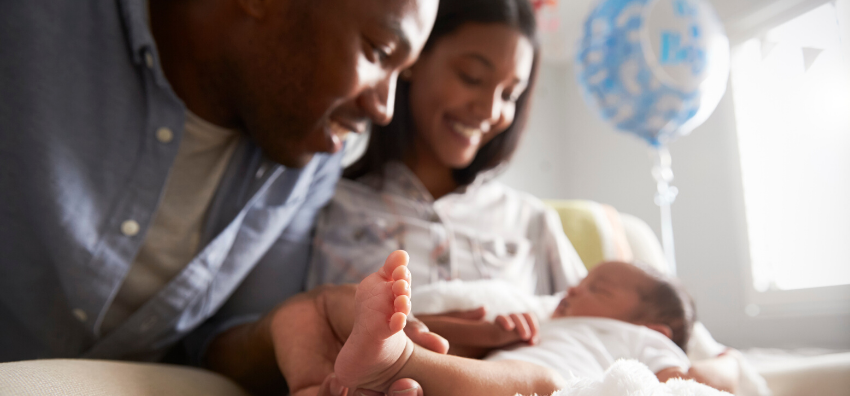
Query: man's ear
{"x": 255, "y": 8}
{"x": 411, "y": 71}
{"x": 661, "y": 328}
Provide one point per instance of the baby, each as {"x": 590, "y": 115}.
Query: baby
{"x": 618, "y": 311}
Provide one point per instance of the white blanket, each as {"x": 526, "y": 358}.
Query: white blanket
{"x": 629, "y": 377}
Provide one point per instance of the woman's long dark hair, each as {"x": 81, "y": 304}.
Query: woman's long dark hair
{"x": 394, "y": 142}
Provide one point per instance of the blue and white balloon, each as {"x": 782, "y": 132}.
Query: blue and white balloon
{"x": 654, "y": 68}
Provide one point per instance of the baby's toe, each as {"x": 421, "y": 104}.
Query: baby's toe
{"x": 401, "y": 273}
{"x": 397, "y": 322}
{"x": 402, "y": 305}
{"x": 401, "y": 288}
{"x": 397, "y": 259}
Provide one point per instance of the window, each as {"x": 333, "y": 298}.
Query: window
{"x": 792, "y": 99}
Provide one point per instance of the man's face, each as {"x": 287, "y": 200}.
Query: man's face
{"x": 307, "y": 72}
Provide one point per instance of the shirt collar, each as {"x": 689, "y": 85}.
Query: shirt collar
{"x": 139, "y": 37}
{"x": 398, "y": 179}
{"x": 135, "y": 14}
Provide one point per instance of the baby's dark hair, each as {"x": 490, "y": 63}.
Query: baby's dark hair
{"x": 666, "y": 302}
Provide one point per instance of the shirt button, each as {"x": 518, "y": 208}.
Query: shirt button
{"x": 149, "y": 59}
{"x": 164, "y": 135}
{"x": 130, "y": 228}
{"x": 260, "y": 172}
{"x": 80, "y": 314}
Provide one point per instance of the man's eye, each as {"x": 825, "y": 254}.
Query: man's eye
{"x": 381, "y": 54}
{"x": 466, "y": 78}
{"x": 375, "y": 52}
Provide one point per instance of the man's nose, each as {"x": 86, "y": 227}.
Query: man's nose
{"x": 379, "y": 101}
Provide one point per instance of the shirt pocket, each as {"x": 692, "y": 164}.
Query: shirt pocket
{"x": 377, "y": 231}
{"x": 348, "y": 252}
{"x": 500, "y": 254}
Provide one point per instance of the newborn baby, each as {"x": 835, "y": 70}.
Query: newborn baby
{"x": 618, "y": 311}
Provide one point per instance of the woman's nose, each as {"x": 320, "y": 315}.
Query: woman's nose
{"x": 489, "y": 106}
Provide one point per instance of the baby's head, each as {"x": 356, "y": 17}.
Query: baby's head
{"x": 636, "y": 294}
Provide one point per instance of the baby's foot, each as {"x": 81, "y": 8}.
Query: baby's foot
{"x": 377, "y": 348}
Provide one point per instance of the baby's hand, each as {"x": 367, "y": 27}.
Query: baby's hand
{"x": 469, "y": 335}
{"x": 524, "y": 325}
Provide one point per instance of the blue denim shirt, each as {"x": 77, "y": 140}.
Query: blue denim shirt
{"x": 81, "y": 99}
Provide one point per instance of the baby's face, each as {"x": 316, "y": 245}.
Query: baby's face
{"x": 610, "y": 290}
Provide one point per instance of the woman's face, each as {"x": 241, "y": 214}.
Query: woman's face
{"x": 464, "y": 90}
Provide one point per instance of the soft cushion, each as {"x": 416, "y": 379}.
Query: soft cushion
{"x": 71, "y": 377}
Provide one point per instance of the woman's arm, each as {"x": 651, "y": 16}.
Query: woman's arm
{"x": 721, "y": 372}
{"x": 672, "y": 372}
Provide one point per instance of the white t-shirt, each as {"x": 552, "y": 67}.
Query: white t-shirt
{"x": 585, "y": 347}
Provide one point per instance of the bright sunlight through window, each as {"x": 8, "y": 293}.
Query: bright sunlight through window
{"x": 792, "y": 100}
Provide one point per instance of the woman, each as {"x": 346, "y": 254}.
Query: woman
{"x": 424, "y": 184}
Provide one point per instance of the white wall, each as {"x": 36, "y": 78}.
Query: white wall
{"x": 569, "y": 153}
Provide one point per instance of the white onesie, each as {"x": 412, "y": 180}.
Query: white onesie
{"x": 585, "y": 347}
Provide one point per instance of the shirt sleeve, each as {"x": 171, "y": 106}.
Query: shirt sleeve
{"x": 277, "y": 276}
{"x": 565, "y": 267}
{"x": 658, "y": 353}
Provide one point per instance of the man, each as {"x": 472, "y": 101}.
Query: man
{"x": 156, "y": 157}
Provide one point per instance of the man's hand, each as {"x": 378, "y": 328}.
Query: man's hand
{"x": 469, "y": 335}
{"x": 308, "y": 331}
{"x": 402, "y": 387}
{"x": 300, "y": 340}
{"x": 420, "y": 334}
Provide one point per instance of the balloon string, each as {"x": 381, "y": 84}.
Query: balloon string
{"x": 662, "y": 172}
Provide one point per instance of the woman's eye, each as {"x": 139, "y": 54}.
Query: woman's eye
{"x": 510, "y": 97}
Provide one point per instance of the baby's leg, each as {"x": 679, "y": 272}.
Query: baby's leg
{"x": 378, "y": 352}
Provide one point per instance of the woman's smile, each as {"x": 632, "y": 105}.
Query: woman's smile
{"x": 468, "y": 135}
